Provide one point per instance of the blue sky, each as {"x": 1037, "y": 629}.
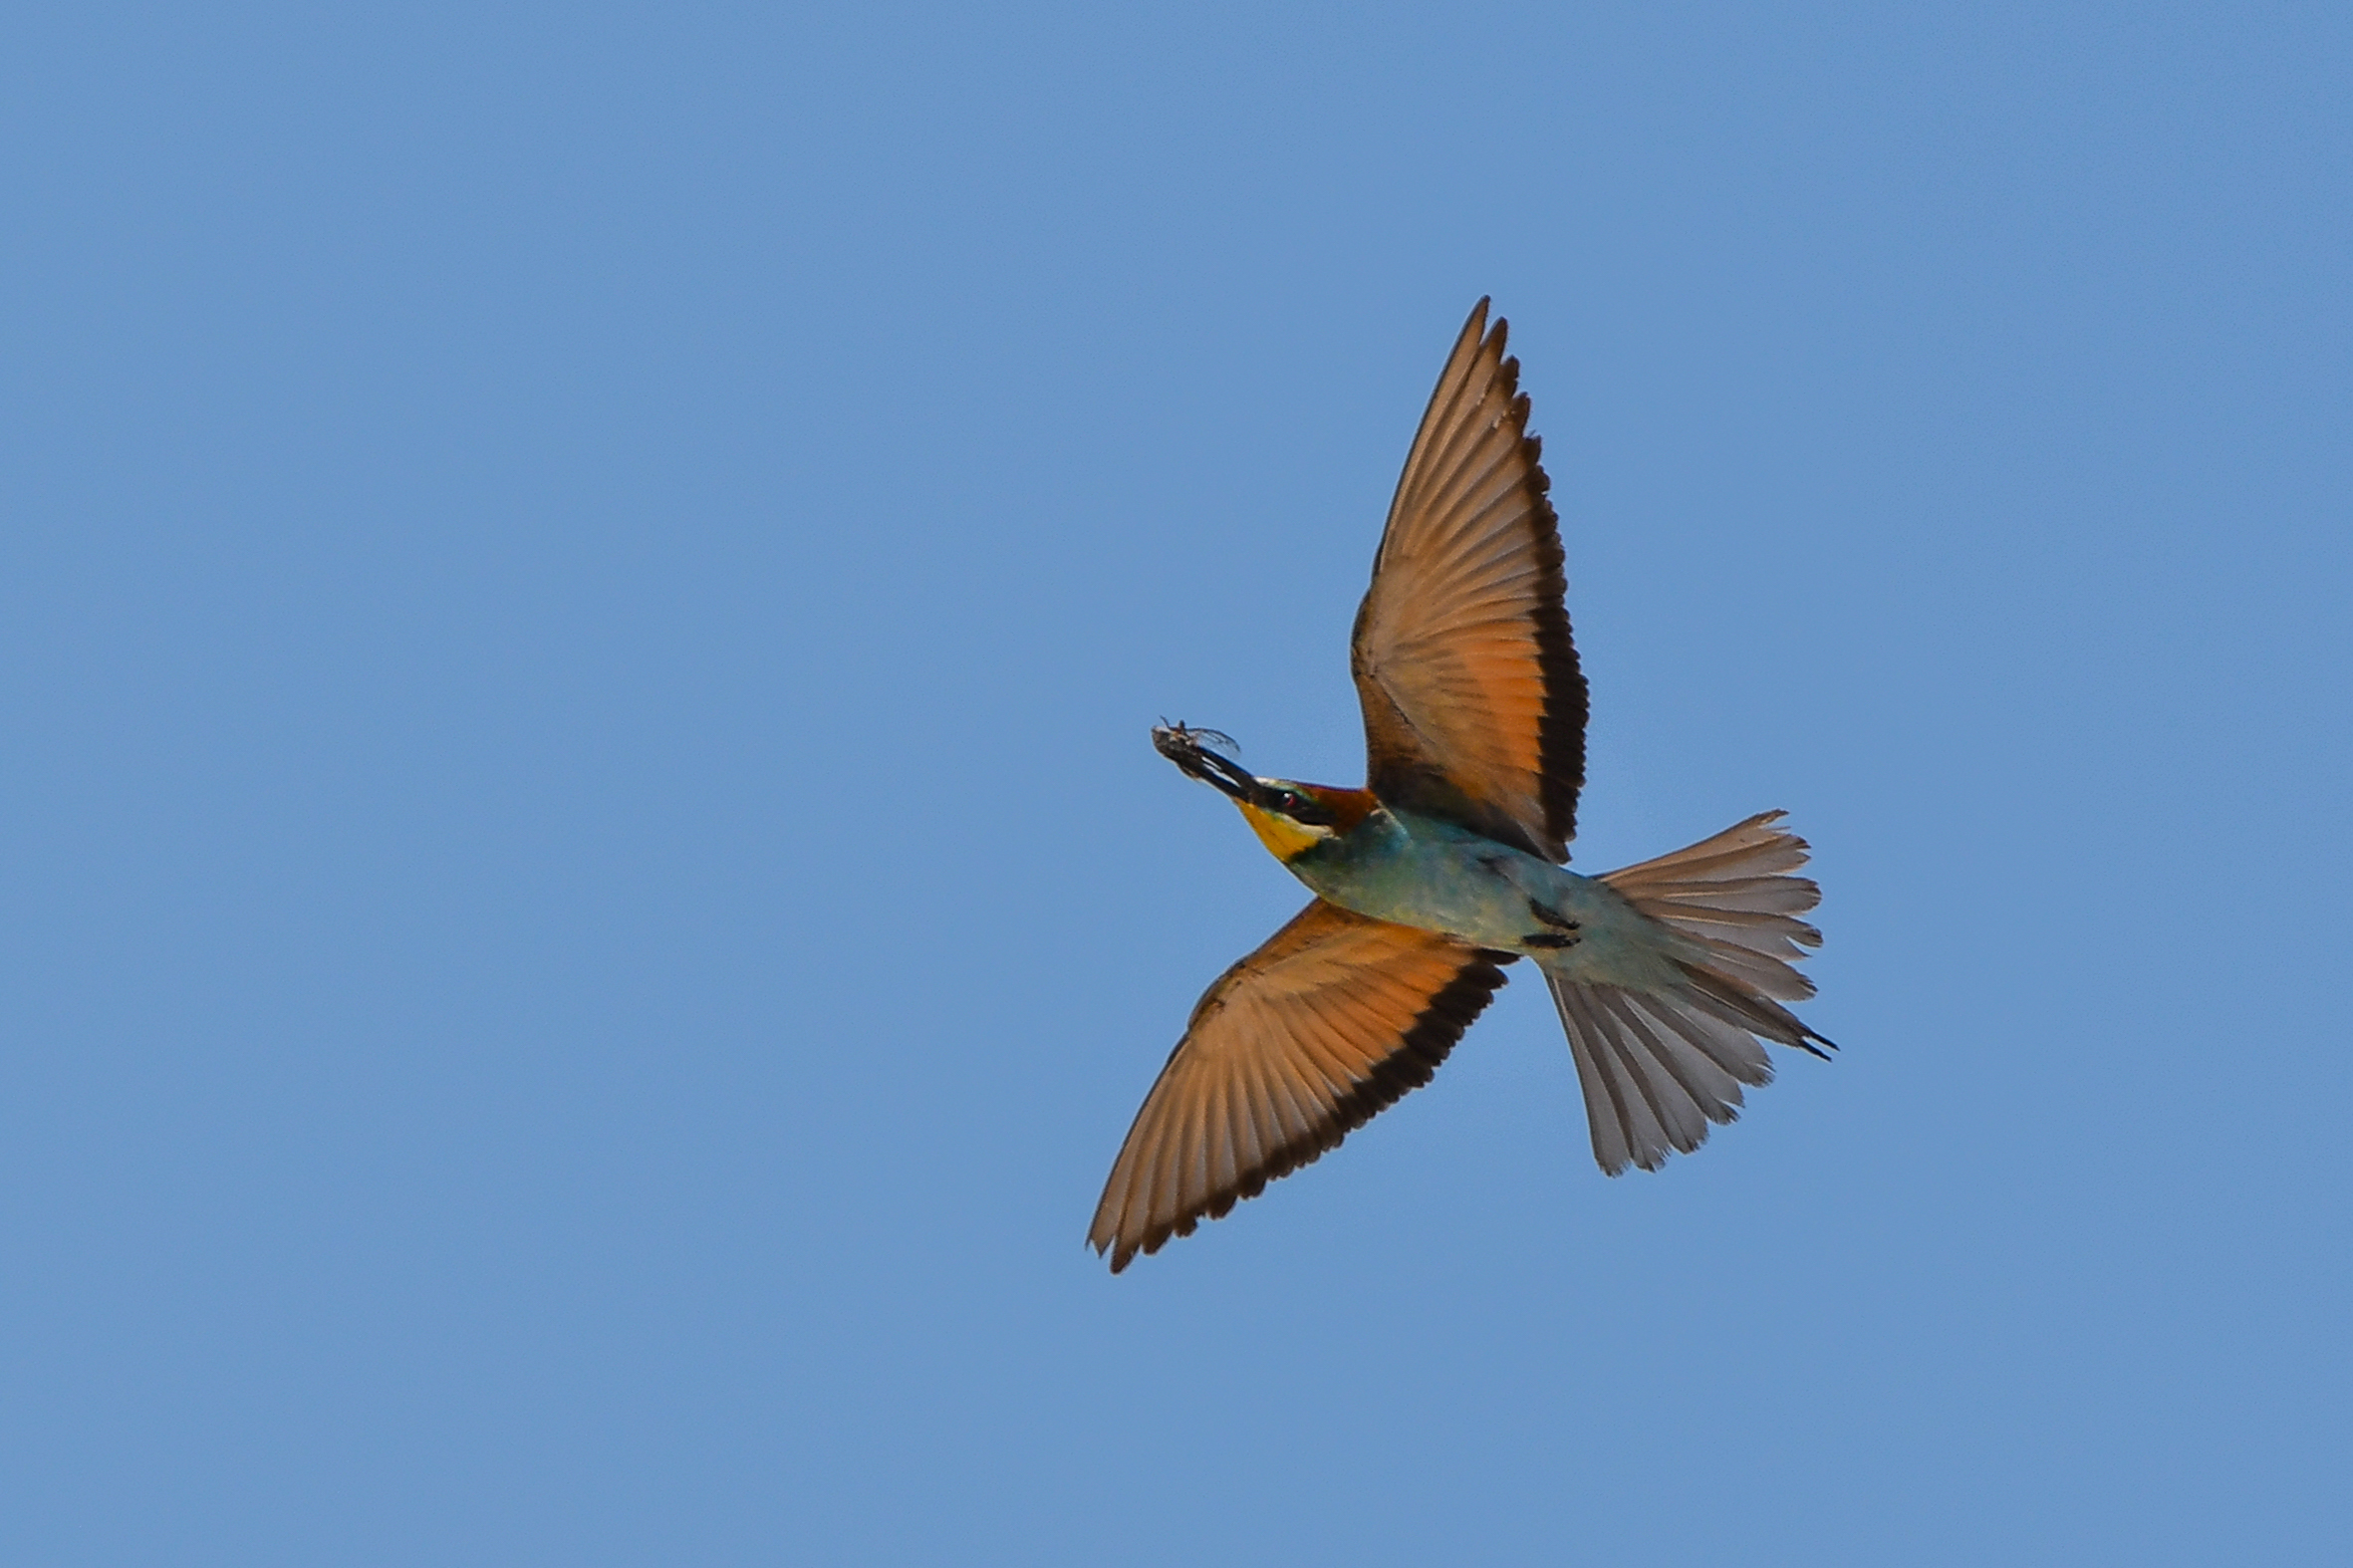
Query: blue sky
{"x": 587, "y": 900}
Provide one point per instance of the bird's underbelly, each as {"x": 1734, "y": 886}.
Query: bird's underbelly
{"x": 1461, "y": 895}
{"x": 1438, "y": 878}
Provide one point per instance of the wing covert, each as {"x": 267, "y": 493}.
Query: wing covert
{"x": 1329, "y": 1023}
{"x": 1474, "y": 708}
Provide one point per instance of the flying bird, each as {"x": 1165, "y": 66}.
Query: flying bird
{"x": 1448, "y": 864}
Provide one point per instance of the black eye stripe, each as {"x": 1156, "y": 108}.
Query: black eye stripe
{"x": 1299, "y": 806}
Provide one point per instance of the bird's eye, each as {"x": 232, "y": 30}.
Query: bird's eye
{"x": 1287, "y": 800}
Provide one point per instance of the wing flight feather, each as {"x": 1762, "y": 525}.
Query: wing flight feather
{"x": 1474, "y": 708}
{"x": 1331, "y": 1021}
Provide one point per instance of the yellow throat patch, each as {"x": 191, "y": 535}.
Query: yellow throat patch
{"x": 1284, "y": 837}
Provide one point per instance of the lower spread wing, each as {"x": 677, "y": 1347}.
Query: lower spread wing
{"x": 1475, "y": 709}
{"x": 1294, "y": 1047}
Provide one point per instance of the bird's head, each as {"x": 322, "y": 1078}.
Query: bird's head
{"x": 1289, "y": 818}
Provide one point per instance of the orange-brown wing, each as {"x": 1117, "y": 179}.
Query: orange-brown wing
{"x": 1294, "y": 1047}
{"x": 1475, "y": 709}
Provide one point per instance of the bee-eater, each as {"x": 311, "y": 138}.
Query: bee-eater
{"x": 1448, "y": 864}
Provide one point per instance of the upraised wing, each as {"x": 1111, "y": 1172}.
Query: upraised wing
{"x": 1474, "y": 708}
{"x": 1327, "y": 1024}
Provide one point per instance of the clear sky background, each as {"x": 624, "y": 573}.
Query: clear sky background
{"x": 586, "y": 900}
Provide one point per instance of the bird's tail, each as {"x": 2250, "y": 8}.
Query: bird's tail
{"x": 1658, "y": 1066}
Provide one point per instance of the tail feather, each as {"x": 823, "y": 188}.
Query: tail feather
{"x": 1613, "y": 1137}
{"x": 1729, "y": 1049}
{"x": 1734, "y": 897}
{"x": 1658, "y": 1067}
{"x": 1752, "y": 849}
{"x": 1655, "y": 1074}
{"x": 1714, "y": 994}
{"x": 1701, "y": 1082}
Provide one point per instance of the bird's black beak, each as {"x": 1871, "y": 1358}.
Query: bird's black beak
{"x": 1184, "y": 747}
